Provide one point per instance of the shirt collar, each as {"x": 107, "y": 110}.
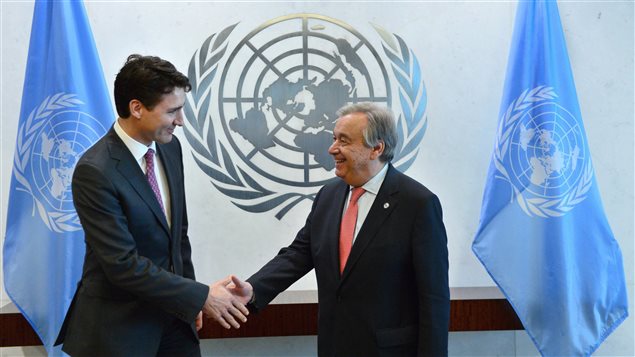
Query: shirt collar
{"x": 137, "y": 149}
{"x": 374, "y": 184}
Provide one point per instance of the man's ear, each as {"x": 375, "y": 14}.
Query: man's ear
{"x": 378, "y": 150}
{"x": 136, "y": 108}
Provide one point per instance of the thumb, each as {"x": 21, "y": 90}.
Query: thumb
{"x": 225, "y": 281}
{"x": 239, "y": 283}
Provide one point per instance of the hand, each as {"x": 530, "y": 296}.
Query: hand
{"x": 199, "y": 321}
{"x": 240, "y": 289}
{"x": 223, "y": 306}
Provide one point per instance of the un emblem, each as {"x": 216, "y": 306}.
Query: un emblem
{"x": 261, "y": 114}
{"x": 541, "y": 152}
{"x": 50, "y": 142}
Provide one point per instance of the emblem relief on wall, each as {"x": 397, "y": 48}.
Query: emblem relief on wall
{"x": 262, "y": 109}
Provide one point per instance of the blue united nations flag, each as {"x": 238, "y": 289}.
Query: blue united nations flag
{"x": 65, "y": 109}
{"x": 543, "y": 235}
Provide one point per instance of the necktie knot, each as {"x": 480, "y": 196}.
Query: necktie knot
{"x": 149, "y": 157}
{"x": 356, "y": 193}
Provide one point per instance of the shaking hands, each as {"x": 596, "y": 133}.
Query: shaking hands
{"x": 226, "y": 301}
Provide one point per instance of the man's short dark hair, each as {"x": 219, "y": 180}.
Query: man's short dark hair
{"x": 381, "y": 126}
{"x": 147, "y": 79}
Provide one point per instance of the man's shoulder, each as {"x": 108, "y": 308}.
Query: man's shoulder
{"x": 335, "y": 185}
{"x": 411, "y": 187}
{"x": 97, "y": 152}
{"x": 105, "y": 153}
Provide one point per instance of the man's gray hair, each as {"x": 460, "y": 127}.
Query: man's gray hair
{"x": 381, "y": 126}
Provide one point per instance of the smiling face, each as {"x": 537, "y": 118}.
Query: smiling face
{"x": 355, "y": 162}
{"x": 157, "y": 124}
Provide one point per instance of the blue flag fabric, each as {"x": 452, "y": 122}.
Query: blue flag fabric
{"x": 65, "y": 109}
{"x": 543, "y": 235}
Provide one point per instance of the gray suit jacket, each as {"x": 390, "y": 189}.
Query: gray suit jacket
{"x": 137, "y": 272}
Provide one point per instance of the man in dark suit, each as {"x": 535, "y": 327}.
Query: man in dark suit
{"x": 137, "y": 295}
{"x": 389, "y": 296}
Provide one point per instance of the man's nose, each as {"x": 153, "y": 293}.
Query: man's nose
{"x": 179, "y": 118}
{"x": 333, "y": 148}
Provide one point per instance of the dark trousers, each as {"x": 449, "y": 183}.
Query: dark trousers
{"x": 177, "y": 340}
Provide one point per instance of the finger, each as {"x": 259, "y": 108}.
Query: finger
{"x": 238, "y": 305}
{"x": 222, "y": 322}
{"x": 229, "y": 318}
{"x": 199, "y": 321}
{"x": 225, "y": 281}
{"x": 239, "y": 314}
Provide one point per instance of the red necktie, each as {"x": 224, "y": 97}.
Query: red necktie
{"x": 347, "y": 229}
{"x": 152, "y": 178}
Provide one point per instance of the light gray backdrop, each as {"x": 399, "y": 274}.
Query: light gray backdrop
{"x": 462, "y": 48}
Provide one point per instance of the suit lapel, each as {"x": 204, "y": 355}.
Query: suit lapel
{"x": 170, "y": 174}
{"x": 385, "y": 203}
{"x": 130, "y": 170}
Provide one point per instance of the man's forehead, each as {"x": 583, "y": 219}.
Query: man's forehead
{"x": 354, "y": 122}
{"x": 174, "y": 98}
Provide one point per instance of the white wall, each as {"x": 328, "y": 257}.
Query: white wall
{"x": 462, "y": 48}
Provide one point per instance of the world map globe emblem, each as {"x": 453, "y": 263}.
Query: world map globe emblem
{"x": 547, "y": 152}
{"x": 57, "y": 148}
{"x": 280, "y": 90}
{"x": 261, "y": 111}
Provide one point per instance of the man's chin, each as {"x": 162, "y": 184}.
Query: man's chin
{"x": 165, "y": 139}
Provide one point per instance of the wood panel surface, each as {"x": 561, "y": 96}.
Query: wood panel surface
{"x": 299, "y": 320}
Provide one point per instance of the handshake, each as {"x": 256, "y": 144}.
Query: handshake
{"x": 226, "y": 302}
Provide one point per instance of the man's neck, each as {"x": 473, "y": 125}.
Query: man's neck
{"x": 126, "y": 125}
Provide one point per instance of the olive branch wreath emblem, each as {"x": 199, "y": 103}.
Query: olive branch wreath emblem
{"x": 215, "y": 161}
{"x": 538, "y": 206}
{"x": 27, "y": 134}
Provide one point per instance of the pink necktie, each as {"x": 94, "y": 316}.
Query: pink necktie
{"x": 152, "y": 178}
{"x": 347, "y": 229}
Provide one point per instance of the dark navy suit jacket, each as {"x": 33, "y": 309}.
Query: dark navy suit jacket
{"x": 137, "y": 273}
{"x": 393, "y": 297}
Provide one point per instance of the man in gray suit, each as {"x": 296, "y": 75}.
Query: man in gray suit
{"x": 137, "y": 295}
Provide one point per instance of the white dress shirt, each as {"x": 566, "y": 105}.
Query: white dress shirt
{"x": 138, "y": 151}
{"x": 367, "y": 199}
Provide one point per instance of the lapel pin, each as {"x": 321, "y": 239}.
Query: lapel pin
{"x": 386, "y": 205}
